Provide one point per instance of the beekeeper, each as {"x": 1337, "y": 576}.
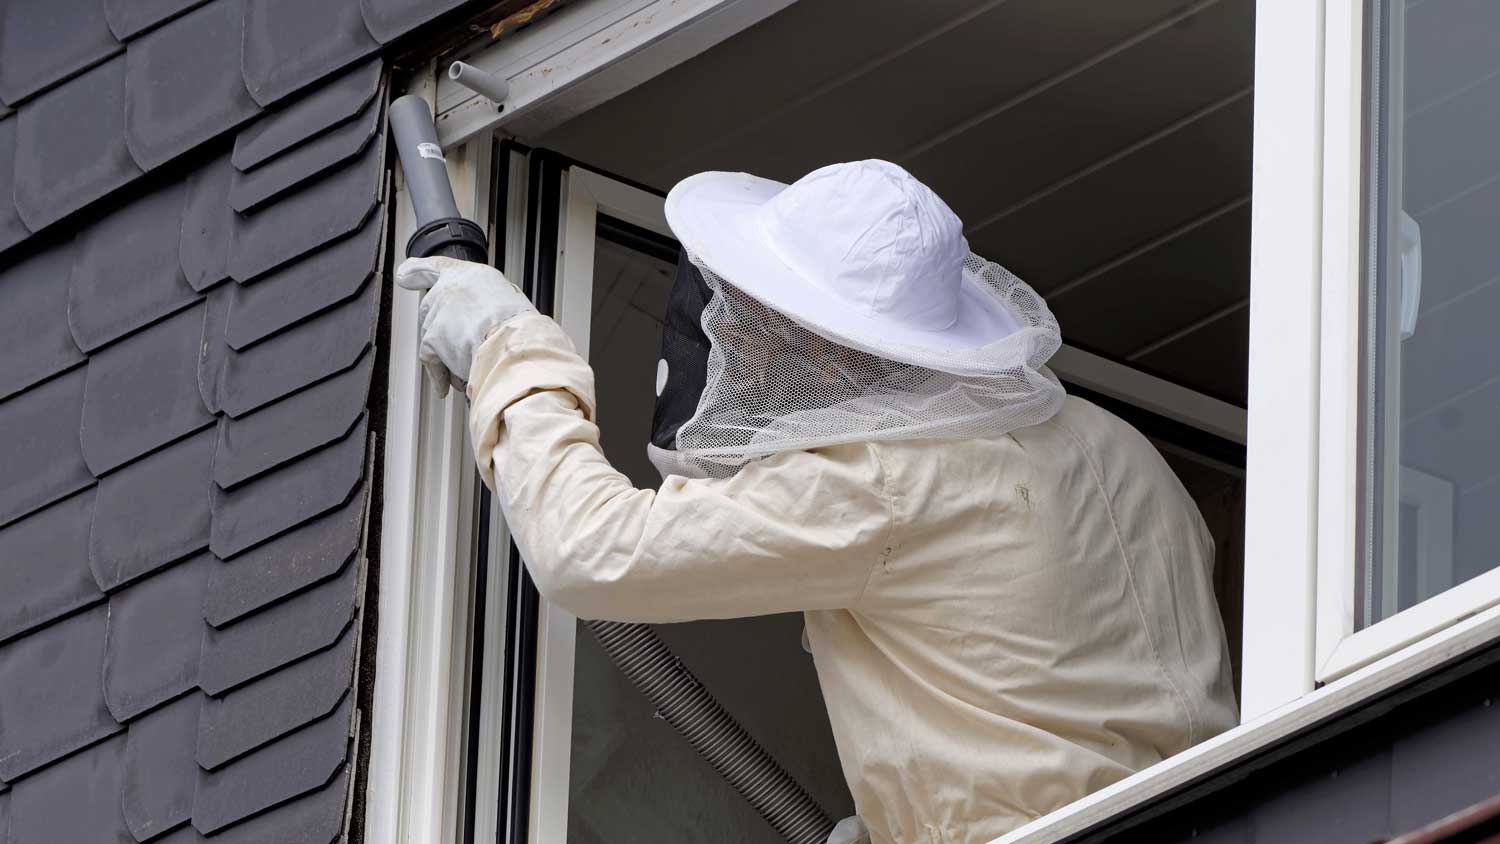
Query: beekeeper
{"x": 1007, "y": 592}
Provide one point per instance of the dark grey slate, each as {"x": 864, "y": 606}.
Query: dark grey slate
{"x": 1333, "y": 799}
{"x": 251, "y": 190}
{"x": 34, "y": 338}
{"x": 281, "y": 432}
{"x": 44, "y": 565}
{"x": 142, "y": 392}
{"x": 51, "y": 696}
{"x": 298, "y": 290}
{"x": 155, "y": 630}
{"x": 40, "y": 459}
{"x": 279, "y": 634}
{"x": 214, "y": 351}
{"x": 160, "y": 774}
{"x": 256, "y": 714}
{"x": 153, "y": 512}
{"x": 334, "y": 205}
{"x": 316, "y": 818}
{"x": 207, "y": 221}
{"x": 4, "y": 812}
{"x": 1448, "y": 765}
{"x": 302, "y": 762}
{"x": 290, "y": 44}
{"x": 70, "y": 146}
{"x": 12, "y": 230}
{"x": 183, "y": 84}
{"x": 280, "y": 500}
{"x": 287, "y": 564}
{"x": 332, "y": 102}
{"x": 390, "y": 19}
{"x": 126, "y": 273}
{"x": 76, "y": 801}
{"x": 130, "y": 17}
{"x": 44, "y": 43}
{"x": 299, "y": 356}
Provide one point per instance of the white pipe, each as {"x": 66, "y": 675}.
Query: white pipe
{"x": 481, "y": 82}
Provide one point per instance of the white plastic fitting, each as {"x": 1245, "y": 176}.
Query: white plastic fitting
{"x": 481, "y": 82}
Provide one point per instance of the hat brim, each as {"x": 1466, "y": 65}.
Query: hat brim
{"x": 715, "y": 215}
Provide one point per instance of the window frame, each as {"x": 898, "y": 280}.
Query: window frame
{"x": 1347, "y": 268}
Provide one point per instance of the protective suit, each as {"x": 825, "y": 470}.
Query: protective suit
{"x": 1007, "y": 592}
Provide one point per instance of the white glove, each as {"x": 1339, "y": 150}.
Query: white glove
{"x": 850, "y": 830}
{"x": 463, "y": 303}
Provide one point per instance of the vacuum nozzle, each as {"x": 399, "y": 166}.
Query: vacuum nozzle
{"x": 440, "y": 229}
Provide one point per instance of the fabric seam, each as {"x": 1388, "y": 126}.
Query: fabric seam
{"x": 1134, "y": 592}
{"x": 890, "y": 533}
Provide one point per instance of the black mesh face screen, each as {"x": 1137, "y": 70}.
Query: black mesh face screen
{"x": 684, "y": 354}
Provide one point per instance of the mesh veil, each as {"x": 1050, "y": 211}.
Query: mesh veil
{"x": 773, "y": 385}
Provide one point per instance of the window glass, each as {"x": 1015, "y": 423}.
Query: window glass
{"x": 1430, "y": 372}
{"x": 631, "y": 776}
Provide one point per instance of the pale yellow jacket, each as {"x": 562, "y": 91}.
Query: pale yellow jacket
{"x": 1000, "y": 626}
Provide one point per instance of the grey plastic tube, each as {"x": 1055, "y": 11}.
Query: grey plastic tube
{"x": 422, "y": 159}
{"x": 685, "y": 704}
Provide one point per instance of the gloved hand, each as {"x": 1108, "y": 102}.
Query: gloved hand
{"x": 850, "y": 830}
{"x": 463, "y": 303}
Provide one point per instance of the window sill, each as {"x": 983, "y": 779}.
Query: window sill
{"x": 1189, "y": 774}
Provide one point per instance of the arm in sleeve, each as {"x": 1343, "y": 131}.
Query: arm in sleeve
{"x": 796, "y": 531}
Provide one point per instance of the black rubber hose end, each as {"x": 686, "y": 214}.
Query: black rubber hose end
{"x": 454, "y": 237}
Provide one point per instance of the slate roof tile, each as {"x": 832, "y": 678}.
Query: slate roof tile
{"x": 281, "y": 432}
{"x": 70, "y": 145}
{"x": 251, "y": 190}
{"x": 182, "y": 83}
{"x": 310, "y": 554}
{"x": 34, "y": 339}
{"x": 334, "y": 205}
{"x": 316, "y": 818}
{"x": 299, "y": 356}
{"x": 160, "y": 774}
{"x": 120, "y": 341}
{"x": 331, "y": 103}
{"x": 280, "y": 500}
{"x": 155, "y": 629}
{"x": 297, "y": 764}
{"x": 12, "y": 230}
{"x": 152, "y": 512}
{"x": 76, "y": 801}
{"x": 290, "y": 44}
{"x": 44, "y": 43}
{"x": 40, "y": 458}
{"x": 325, "y": 278}
{"x": 127, "y": 273}
{"x": 207, "y": 221}
{"x": 214, "y": 351}
{"x": 284, "y": 632}
{"x": 131, "y": 17}
{"x": 142, "y": 392}
{"x": 51, "y": 695}
{"x": 44, "y": 565}
{"x": 261, "y": 712}
{"x": 390, "y": 19}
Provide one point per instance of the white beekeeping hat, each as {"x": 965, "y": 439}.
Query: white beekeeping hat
{"x": 847, "y": 307}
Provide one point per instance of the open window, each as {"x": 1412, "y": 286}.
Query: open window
{"x": 1410, "y": 488}
{"x": 1310, "y": 352}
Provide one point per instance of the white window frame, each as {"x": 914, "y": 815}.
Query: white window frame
{"x": 1340, "y": 648}
{"x": 429, "y": 534}
{"x": 1299, "y": 429}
